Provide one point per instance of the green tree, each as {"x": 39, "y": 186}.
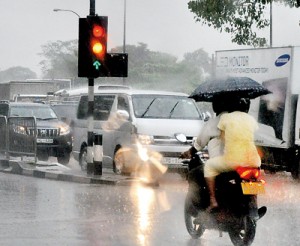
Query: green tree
{"x": 157, "y": 70}
{"x": 196, "y": 67}
{"x": 240, "y": 18}
{"x": 146, "y": 69}
{"x": 16, "y": 73}
{"x": 59, "y": 59}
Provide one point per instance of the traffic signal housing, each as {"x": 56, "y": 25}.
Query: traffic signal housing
{"x": 92, "y": 46}
{"x": 93, "y": 59}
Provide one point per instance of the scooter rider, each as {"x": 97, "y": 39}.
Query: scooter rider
{"x": 210, "y": 134}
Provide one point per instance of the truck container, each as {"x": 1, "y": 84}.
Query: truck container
{"x": 278, "y": 113}
{"x": 10, "y": 90}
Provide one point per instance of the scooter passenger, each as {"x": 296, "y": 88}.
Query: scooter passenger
{"x": 237, "y": 133}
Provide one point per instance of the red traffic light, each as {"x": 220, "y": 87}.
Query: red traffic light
{"x": 98, "y": 31}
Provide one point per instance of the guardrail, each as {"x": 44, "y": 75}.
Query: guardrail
{"x": 18, "y": 136}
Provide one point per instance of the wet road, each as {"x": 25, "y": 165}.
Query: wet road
{"x": 46, "y": 212}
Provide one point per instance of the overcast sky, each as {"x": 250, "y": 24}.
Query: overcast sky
{"x": 164, "y": 25}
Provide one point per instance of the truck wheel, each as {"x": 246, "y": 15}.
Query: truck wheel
{"x": 64, "y": 158}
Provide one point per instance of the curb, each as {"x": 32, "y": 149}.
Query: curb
{"x": 18, "y": 167}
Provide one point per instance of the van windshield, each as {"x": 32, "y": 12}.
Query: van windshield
{"x": 164, "y": 107}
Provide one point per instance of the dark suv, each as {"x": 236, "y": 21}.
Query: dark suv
{"x": 54, "y": 137}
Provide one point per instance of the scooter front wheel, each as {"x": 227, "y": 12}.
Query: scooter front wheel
{"x": 190, "y": 214}
{"x": 244, "y": 233}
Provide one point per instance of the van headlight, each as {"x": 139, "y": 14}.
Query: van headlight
{"x": 145, "y": 139}
{"x": 65, "y": 129}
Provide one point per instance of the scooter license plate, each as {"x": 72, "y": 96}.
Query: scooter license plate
{"x": 253, "y": 188}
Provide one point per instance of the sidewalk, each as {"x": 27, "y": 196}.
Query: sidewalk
{"x": 56, "y": 171}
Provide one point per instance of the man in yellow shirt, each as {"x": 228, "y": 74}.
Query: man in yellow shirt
{"x": 237, "y": 131}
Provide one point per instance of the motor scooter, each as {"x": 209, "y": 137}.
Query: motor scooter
{"x": 236, "y": 194}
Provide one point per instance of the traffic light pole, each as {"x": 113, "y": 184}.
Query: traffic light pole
{"x": 94, "y": 62}
{"x": 90, "y": 122}
{"x": 94, "y": 162}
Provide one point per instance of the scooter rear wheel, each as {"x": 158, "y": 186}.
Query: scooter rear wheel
{"x": 190, "y": 213}
{"x": 244, "y": 233}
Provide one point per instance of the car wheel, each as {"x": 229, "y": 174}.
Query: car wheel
{"x": 83, "y": 158}
{"x": 64, "y": 158}
{"x": 43, "y": 156}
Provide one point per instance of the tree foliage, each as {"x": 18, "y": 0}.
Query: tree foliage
{"x": 159, "y": 70}
{"x": 16, "y": 73}
{"x": 59, "y": 59}
{"x": 146, "y": 68}
{"x": 240, "y": 18}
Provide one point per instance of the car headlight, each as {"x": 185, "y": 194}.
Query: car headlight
{"x": 65, "y": 129}
{"x": 20, "y": 130}
{"x": 145, "y": 139}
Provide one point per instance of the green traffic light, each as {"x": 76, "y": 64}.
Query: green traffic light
{"x": 97, "y": 65}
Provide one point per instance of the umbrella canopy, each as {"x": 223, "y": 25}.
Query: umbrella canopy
{"x": 231, "y": 86}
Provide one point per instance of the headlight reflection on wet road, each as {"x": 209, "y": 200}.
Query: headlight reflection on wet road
{"x": 148, "y": 203}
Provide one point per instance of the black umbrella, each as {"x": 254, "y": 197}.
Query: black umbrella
{"x": 231, "y": 86}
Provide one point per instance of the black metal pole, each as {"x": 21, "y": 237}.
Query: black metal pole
{"x": 98, "y": 154}
{"x": 90, "y": 122}
{"x": 94, "y": 149}
{"x": 92, "y": 7}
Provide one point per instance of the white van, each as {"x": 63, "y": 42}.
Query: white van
{"x": 154, "y": 118}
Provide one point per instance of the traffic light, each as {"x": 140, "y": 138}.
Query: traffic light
{"x": 93, "y": 59}
{"x": 92, "y": 47}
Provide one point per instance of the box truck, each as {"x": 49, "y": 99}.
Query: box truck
{"x": 278, "y": 113}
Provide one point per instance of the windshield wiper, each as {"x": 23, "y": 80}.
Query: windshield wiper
{"x": 172, "y": 110}
{"x": 147, "y": 109}
{"x": 46, "y": 118}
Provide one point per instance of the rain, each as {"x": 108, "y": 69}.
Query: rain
{"x": 118, "y": 175}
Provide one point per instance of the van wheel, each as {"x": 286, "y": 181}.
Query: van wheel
{"x": 115, "y": 169}
{"x": 83, "y": 158}
{"x": 295, "y": 169}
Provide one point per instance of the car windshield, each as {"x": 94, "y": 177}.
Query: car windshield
{"x": 163, "y": 106}
{"x": 29, "y": 111}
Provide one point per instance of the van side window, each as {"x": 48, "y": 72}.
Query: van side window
{"x": 4, "y": 109}
{"x": 102, "y": 107}
{"x": 123, "y": 103}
